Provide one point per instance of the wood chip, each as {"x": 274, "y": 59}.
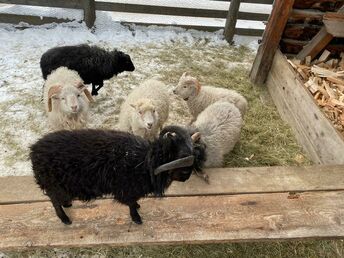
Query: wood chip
{"x": 324, "y": 56}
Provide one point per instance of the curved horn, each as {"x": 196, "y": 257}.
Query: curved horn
{"x": 53, "y": 91}
{"x": 81, "y": 86}
{"x": 88, "y": 95}
{"x": 178, "y": 163}
{"x": 195, "y": 137}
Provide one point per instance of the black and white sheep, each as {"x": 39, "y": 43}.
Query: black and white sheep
{"x": 93, "y": 64}
{"x": 86, "y": 164}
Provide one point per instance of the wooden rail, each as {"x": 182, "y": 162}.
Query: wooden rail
{"x": 240, "y": 204}
{"x": 90, "y": 6}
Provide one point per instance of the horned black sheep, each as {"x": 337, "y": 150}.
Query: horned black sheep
{"x": 93, "y": 64}
{"x": 89, "y": 163}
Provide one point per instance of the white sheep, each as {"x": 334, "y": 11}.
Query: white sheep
{"x": 65, "y": 99}
{"x": 219, "y": 126}
{"x": 145, "y": 110}
{"x": 199, "y": 97}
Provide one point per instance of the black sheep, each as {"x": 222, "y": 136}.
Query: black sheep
{"x": 93, "y": 64}
{"x": 86, "y": 164}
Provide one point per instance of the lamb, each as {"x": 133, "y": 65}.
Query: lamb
{"x": 145, "y": 110}
{"x": 220, "y": 126}
{"x": 90, "y": 163}
{"x": 199, "y": 97}
{"x": 93, "y": 64}
{"x": 65, "y": 103}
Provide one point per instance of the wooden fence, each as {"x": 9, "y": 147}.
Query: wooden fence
{"x": 90, "y": 7}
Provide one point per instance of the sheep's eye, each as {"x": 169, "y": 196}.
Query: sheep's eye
{"x": 78, "y": 95}
{"x": 184, "y": 87}
{"x": 153, "y": 111}
{"x": 140, "y": 112}
{"x": 62, "y": 98}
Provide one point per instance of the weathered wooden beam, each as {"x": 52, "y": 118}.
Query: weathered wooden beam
{"x": 89, "y": 12}
{"x": 21, "y": 189}
{"x": 231, "y": 20}
{"x": 176, "y": 220}
{"x": 29, "y": 19}
{"x": 74, "y": 4}
{"x": 315, "y": 133}
{"x": 323, "y": 5}
{"x": 318, "y": 43}
{"x": 270, "y": 41}
{"x": 300, "y": 31}
{"x": 334, "y": 23}
{"x": 291, "y": 46}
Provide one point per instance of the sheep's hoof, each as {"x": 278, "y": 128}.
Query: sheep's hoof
{"x": 138, "y": 206}
{"x": 66, "y": 221}
{"x": 94, "y": 93}
{"x": 138, "y": 221}
{"x": 203, "y": 175}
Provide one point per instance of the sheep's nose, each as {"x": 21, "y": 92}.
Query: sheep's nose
{"x": 149, "y": 125}
{"x": 174, "y": 91}
{"x": 74, "y": 108}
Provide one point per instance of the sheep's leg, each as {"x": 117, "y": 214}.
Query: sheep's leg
{"x": 203, "y": 175}
{"x": 135, "y": 216}
{"x": 60, "y": 212}
{"x": 94, "y": 91}
{"x": 67, "y": 204}
{"x": 137, "y": 205}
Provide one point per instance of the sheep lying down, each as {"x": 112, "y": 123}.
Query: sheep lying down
{"x": 199, "y": 97}
{"x": 86, "y": 164}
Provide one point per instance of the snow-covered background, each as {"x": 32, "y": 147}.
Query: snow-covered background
{"x": 22, "y": 118}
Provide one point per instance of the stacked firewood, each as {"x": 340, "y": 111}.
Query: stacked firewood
{"x": 324, "y": 78}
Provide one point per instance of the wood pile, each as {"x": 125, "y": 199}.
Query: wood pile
{"x": 324, "y": 78}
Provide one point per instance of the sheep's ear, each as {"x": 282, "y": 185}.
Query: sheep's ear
{"x": 54, "y": 90}
{"x": 196, "y": 136}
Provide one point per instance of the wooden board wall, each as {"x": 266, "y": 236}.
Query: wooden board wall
{"x": 312, "y": 129}
{"x": 305, "y": 22}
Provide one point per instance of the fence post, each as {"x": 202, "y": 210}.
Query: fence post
{"x": 89, "y": 12}
{"x": 231, "y": 20}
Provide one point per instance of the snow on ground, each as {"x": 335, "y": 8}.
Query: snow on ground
{"x": 22, "y": 118}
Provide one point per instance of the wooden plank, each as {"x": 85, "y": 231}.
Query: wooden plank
{"x": 32, "y": 20}
{"x": 312, "y": 129}
{"x": 336, "y": 46}
{"x": 175, "y": 11}
{"x": 176, "y": 220}
{"x": 20, "y": 189}
{"x": 231, "y": 20}
{"x": 334, "y": 23}
{"x": 251, "y": 1}
{"x": 89, "y": 12}
{"x": 270, "y": 41}
{"x": 318, "y": 43}
{"x": 301, "y": 31}
{"x": 323, "y": 5}
{"x": 74, "y": 4}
